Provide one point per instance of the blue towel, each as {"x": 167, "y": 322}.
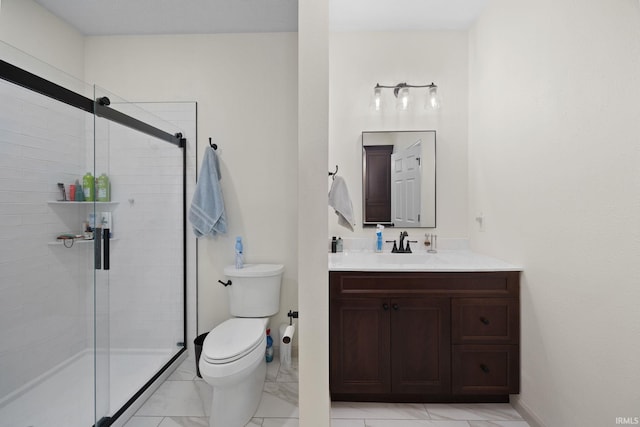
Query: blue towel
{"x": 207, "y": 213}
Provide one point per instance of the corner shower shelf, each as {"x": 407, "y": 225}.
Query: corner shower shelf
{"x": 76, "y": 242}
{"x": 100, "y": 206}
{"x": 70, "y": 203}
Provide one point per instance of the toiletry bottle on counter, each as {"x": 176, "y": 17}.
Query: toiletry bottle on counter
{"x": 89, "y": 186}
{"x": 103, "y": 188}
{"x": 239, "y": 257}
{"x": 269, "y": 351}
{"x": 334, "y": 245}
{"x": 379, "y": 229}
{"x": 339, "y": 245}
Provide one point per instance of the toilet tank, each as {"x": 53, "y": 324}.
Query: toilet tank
{"x": 254, "y": 290}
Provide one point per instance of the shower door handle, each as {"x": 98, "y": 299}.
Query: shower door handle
{"x": 97, "y": 248}
{"x": 105, "y": 241}
{"x": 101, "y": 248}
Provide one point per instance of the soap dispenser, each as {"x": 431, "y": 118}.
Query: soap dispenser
{"x": 379, "y": 229}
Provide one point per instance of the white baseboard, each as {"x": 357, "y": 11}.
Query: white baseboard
{"x": 526, "y": 412}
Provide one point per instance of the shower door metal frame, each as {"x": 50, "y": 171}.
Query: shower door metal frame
{"x": 100, "y": 108}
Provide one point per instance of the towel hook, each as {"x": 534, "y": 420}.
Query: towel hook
{"x": 333, "y": 174}
{"x": 214, "y": 146}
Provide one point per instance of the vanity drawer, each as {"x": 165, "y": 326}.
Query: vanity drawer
{"x": 479, "y": 284}
{"x": 485, "y": 321}
{"x": 485, "y": 369}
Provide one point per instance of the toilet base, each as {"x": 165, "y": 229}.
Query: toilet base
{"x": 234, "y": 404}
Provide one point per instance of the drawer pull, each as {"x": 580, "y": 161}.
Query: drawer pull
{"x": 484, "y": 320}
{"x": 395, "y": 307}
{"x": 484, "y": 368}
{"x": 385, "y": 306}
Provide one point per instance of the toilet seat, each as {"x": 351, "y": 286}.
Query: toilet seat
{"x": 233, "y": 339}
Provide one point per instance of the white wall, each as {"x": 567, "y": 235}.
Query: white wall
{"x": 360, "y": 60}
{"x": 246, "y": 88}
{"x": 554, "y": 166}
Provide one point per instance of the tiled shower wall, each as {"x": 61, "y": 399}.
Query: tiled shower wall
{"x": 43, "y": 287}
{"x": 46, "y": 290}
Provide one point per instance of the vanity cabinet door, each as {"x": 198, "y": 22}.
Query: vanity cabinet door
{"x": 359, "y": 345}
{"x": 421, "y": 347}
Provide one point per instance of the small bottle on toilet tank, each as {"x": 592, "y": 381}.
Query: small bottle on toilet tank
{"x": 239, "y": 253}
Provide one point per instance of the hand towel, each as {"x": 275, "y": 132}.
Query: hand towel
{"x": 207, "y": 214}
{"x": 340, "y": 201}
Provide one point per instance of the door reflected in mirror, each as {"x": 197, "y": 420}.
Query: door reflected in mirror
{"x": 399, "y": 178}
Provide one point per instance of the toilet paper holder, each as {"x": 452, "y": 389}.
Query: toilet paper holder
{"x": 292, "y": 315}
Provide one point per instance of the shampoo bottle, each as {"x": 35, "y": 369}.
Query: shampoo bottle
{"x": 103, "y": 188}
{"x": 88, "y": 184}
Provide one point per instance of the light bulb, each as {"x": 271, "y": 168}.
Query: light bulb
{"x": 433, "y": 99}
{"x": 376, "y": 103}
{"x": 403, "y": 99}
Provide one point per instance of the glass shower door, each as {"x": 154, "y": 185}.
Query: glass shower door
{"x": 140, "y": 275}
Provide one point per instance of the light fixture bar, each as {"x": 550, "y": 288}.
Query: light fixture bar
{"x": 401, "y": 92}
{"x": 396, "y": 88}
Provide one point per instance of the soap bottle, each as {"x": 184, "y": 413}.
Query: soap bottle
{"x": 79, "y": 192}
{"x": 269, "y": 351}
{"x": 339, "y": 245}
{"x": 379, "y": 229}
{"x": 239, "y": 256}
{"x": 89, "y": 186}
{"x": 334, "y": 245}
{"x": 103, "y": 188}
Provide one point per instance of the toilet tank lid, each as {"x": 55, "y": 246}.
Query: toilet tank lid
{"x": 254, "y": 270}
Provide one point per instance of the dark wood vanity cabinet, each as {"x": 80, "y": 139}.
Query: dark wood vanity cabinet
{"x": 420, "y": 337}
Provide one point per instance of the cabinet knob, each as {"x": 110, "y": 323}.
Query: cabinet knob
{"x": 484, "y": 320}
{"x": 385, "y": 306}
{"x": 395, "y": 307}
{"x": 484, "y": 368}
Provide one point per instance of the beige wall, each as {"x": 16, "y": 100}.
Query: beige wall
{"x": 554, "y": 166}
{"x": 27, "y": 26}
{"x": 246, "y": 89}
{"x": 358, "y": 62}
{"x": 313, "y": 128}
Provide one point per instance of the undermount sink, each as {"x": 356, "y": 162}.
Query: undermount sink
{"x": 391, "y": 258}
{"x": 446, "y": 260}
{"x": 403, "y": 258}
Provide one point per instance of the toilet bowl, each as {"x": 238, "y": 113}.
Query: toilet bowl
{"x": 236, "y": 375}
{"x": 233, "y": 354}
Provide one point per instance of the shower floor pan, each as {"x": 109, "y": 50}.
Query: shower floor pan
{"x": 63, "y": 397}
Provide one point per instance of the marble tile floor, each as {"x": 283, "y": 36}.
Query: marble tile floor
{"x": 183, "y": 400}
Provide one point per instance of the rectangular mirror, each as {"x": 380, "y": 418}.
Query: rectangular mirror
{"x": 399, "y": 178}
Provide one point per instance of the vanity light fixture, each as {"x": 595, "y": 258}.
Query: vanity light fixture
{"x": 401, "y": 92}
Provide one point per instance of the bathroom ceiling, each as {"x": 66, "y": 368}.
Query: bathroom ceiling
{"x": 112, "y": 17}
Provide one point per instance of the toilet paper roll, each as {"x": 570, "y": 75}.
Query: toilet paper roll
{"x": 288, "y": 334}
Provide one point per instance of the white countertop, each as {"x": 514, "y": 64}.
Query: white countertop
{"x": 442, "y": 261}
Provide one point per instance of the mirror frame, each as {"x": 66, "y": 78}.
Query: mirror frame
{"x": 390, "y": 223}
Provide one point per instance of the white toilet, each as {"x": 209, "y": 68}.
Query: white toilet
{"x": 233, "y": 354}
